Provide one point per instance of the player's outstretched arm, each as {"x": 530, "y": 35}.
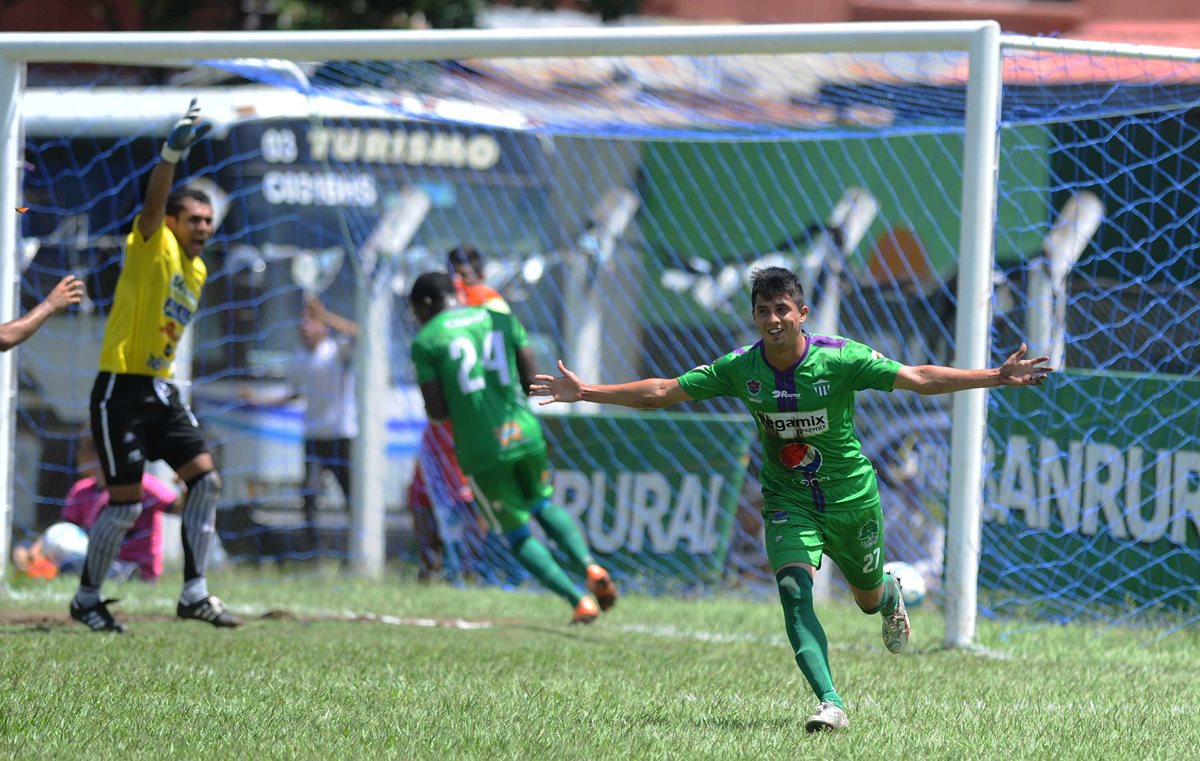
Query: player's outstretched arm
{"x": 646, "y": 393}
{"x": 68, "y": 291}
{"x": 935, "y": 379}
{"x": 186, "y": 132}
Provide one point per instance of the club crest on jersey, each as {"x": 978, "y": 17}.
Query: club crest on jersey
{"x": 802, "y": 457}
{"x": 821, "y": 387}
{"x": 754, "y": 387}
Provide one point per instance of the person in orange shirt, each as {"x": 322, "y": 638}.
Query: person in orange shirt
{"x": 466, "y": 270}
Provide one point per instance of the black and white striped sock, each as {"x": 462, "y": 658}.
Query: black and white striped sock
{"x": 104, "y": 542}
{"x": 199, "y": 533}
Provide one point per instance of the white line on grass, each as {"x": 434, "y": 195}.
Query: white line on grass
{"x": 260, "y": 611}
{"x": 664, "y": 631}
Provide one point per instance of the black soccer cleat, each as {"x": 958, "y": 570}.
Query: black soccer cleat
{"x": 96, "y": 617}
{"x": 210, "y": 609}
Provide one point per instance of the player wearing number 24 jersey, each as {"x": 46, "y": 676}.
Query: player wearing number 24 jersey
{"x": 473, "y": 365}
{"x": 474, "y": 348}
{"x": 819, "y": 491}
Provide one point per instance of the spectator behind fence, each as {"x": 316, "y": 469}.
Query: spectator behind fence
{"x": 321, "y": 372}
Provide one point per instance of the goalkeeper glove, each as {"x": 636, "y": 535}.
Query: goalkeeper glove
{"x": 184, "y": 134}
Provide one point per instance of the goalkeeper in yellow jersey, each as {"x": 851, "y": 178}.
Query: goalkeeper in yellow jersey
{"x": 820, "y": 496}
{"x": 137, "y": 412}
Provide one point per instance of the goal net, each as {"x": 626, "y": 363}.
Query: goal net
{"x": 620, "y": 203}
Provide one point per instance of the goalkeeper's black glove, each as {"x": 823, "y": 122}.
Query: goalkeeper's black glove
{"x": 186, "y": 132}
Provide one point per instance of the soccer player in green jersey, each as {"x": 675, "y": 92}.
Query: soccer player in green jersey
{"x": 819, "y": 490}
{"x": 473, "y": 365}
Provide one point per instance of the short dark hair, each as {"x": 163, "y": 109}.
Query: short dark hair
{"x": 465, "y": 254}
{"x": 432, "y": 289}
{"x": 775, "y": 281}
{"x": 175, "y": 200}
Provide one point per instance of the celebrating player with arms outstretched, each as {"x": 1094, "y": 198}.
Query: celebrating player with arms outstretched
{"x": 819, "y": 490}
{"x": 472, "y": 364}
{"x": 137, "y": 413}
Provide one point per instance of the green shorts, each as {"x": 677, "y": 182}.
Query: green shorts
{"x": 852, "y": 538}
{"x": 509, "y": 493}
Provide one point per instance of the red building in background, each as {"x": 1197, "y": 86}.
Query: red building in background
{"x": 1147, "y": 19}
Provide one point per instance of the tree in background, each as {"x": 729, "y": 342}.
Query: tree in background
{"x": 369, "y": 14}
{"x": 399, "y": 14}
{"x": 177, "y": 15}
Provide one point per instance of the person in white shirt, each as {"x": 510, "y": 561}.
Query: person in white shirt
{"x": 322, "y": 373}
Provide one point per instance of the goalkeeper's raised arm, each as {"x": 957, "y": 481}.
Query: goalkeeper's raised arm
{"x": 650, "y": 393}
{"x": 183, "y": 135}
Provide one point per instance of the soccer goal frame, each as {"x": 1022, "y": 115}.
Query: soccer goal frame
{"x": 980, "y": 40}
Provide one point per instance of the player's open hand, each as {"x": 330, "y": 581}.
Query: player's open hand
{"x": 68, "y": 291}
{"x": 186, "y": 132}
{"x": 1018, "y": 371}
{"x": 565, "y": 388}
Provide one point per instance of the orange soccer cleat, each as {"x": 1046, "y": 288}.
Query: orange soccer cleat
{"x": 586, "y": 611}
{"x": 601, "y": 585}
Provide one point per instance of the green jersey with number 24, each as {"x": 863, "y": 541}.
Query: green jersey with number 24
{"x": 805, "y": 414}
{"x": 473, "y": 352}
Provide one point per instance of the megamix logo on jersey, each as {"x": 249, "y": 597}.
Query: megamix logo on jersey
{"x": 794, "y": 425}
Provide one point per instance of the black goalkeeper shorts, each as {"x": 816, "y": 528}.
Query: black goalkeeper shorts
{"x": 136, "y": 418}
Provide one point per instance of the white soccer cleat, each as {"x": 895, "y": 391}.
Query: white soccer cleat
{"x": 896, "y": 627}
{"x": 828, "y": 716}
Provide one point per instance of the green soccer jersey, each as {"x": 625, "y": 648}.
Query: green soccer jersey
{"x": 473, "y": 352}
{"x": 805, "y": 414}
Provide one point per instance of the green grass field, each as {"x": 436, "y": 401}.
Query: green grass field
{"x": 330, "y": 668}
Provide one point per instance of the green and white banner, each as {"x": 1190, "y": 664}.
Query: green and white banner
{"x": 1096, "y": 485}
{"x": 656, "y": 494}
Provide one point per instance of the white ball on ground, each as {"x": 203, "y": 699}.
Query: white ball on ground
{"x": 64, "y": 543}
{"x": 912, "y": 583}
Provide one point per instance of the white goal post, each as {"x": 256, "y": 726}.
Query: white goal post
{"x": 980, "y": 40}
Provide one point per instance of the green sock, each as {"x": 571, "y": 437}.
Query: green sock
{"x": 561, "y": 529}
{"x": 536, "y": 559}
{"x": 805, "y": 633}
{"x": 891, "y": 596}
